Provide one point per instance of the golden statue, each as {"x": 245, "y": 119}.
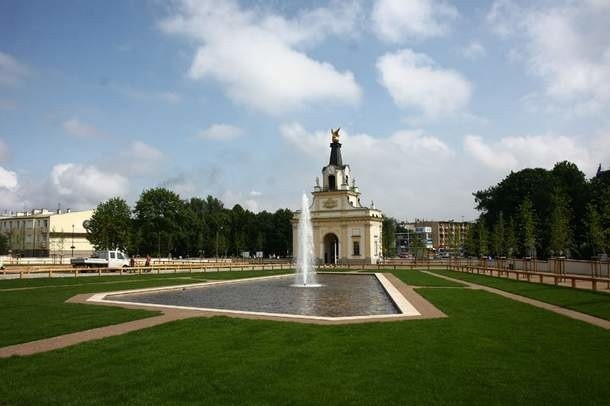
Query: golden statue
{"x": 335, "y": 134}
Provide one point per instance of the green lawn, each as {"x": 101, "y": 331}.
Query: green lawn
{"x": 418, "y": 278}
{"x": 593, "y": 303}
{"x": 490, "y": 350}
{"x": 36, "y": 313}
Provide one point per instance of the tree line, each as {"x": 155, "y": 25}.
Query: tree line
{"x": 543, "y": 213}
{"x": 161, "y": 223}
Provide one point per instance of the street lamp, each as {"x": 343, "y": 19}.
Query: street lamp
{"x": 72, "y": 247}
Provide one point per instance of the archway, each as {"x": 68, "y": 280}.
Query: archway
{"x": 331, "y": 248}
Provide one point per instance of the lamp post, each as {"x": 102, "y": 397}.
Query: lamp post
{"x": 72, "y": 247}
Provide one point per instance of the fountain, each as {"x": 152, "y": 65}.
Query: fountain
{"x": 305, "y": 273}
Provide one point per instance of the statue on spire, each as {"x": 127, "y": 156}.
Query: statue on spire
{"x": 335, "y": 134}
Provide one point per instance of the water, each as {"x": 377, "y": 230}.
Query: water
{"x": 341, "y": 295}
{"x": 305, "y": 272}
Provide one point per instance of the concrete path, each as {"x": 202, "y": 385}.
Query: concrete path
{"x": 596, "y": 321}
{"x": 67, "y": 340}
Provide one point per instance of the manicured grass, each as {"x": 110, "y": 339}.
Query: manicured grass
{"x": 36, "y": 313}
{"x": 593, "y": 303}
{"x": 490, "y": 350}
{"x": 418, "y": 278}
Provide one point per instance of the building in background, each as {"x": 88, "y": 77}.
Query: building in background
{"x": 440, "y": 236}
{"x": 412, "y": 238}
{"x": 44, "y": 233}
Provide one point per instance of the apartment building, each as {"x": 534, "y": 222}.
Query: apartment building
{"x": 44, "y": 233}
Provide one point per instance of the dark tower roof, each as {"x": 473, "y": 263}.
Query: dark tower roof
{"x": 335, "y": 154}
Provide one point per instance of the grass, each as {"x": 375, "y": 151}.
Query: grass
{"x": 593, "y": 303}
{"x": 490, "y": 350}
{"x": 40, "y": 311}
{"x": 418, "y": 278}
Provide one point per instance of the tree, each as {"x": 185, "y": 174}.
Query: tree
{"x": 110, "y": 225}
{"x": 560, "y": 238}
{"x": 160, "y": 215}
{"x": 498, "y": 237}
{"x": 471, "y": 243}
{"x": 417, "y": 245}
{"x": 510, "y": 238}
{"x": 483, "y": 241}
{"x": 595, "y": 233}
{"x": 528, "y": 228}
{"x": 388, "y": 235}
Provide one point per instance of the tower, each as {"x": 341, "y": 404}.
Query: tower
{"x": 344, "y": 231}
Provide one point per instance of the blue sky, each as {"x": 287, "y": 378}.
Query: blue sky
{"x": 236, "y": 99}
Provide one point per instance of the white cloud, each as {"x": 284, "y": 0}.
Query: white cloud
{"x": 86, "y": 185}
{"x": 12, "y": 72}
{"x": 474, "y": 50}
{"x": 221, "y": 132}
{"x": 567, "y": 45}
{"x": 77, "y": 128}
{"x": 140, "y": 159}
{"x": 416, "y": 81}
{"x": 518, "y": 152}
{"x": 8, "y": 180}
{"x": 407, "y": 174}
{"x": 255, "y": 56}
{"x": 140, "y": 150}
{"x": 398, "y": 21}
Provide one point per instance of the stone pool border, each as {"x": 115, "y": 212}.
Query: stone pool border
{"x": 411, "y": 304}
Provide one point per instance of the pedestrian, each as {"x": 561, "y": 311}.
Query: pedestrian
{"x": 147, "y": 263}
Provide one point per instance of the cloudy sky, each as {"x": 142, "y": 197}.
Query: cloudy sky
{"x": 435, "y": 99}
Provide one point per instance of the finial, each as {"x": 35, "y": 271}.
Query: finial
{"x": 317, "y": 181}
{"x": 335, "y": 134}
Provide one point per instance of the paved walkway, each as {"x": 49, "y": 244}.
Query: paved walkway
{"x": 596, "y": 321}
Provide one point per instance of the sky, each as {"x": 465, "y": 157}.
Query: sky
{"x": 236, "y": 99}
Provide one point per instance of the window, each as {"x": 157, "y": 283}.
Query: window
{"x": 120, "y": 256}
{"x": 332, "y": 183}
{"x": 112, "y": 255}
{"x": 356, "y": 248}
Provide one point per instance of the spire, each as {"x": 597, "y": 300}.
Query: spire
{"x": 335, "y": 149}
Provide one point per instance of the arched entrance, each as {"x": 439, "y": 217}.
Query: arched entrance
{"x": 331, "y": 248}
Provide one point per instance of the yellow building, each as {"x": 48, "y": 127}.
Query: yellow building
{"x": 43, "y": 233}
{"x": 344, "y": 231}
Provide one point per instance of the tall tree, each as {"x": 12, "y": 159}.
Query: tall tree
{"x": 471, "y": 243}
{"x": 595, "y": 233}
{"x": 498, "y": 238}
{"x": 560, "y": 238}
{"x": 159, "y": 215}
{"x": 110, "y": 225}
{"x": 528, "y": 228}
{"x": 483, "y": 240}
{"x": 510, "y": 238}
{"x": 388, "y": 235}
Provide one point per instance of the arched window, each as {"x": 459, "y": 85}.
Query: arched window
{"x": 332, "y": 183}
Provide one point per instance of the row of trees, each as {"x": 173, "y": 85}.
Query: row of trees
{"x": 542, "y": 213}
{"x": 161, "y": 224}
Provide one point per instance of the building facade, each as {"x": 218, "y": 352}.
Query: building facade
{"x": 43, "y": 233}
{"x": 448, "y": 234}
{"x": 344, "y": 231}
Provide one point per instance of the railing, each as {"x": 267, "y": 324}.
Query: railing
{"x": 556, "y": 276}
